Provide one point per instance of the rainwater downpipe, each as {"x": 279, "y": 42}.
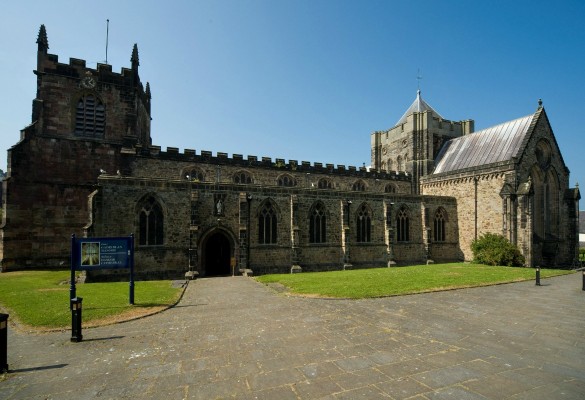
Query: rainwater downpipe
{"x": 475, "y": 179}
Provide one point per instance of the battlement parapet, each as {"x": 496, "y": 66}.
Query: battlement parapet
{"x": 250, "y": 161}
{"x": 77, "y": 68}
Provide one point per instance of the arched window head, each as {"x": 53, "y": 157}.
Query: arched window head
{"x": 364, "y": 224}
{"x": 402, "y": 225}
{"x": 242, "y": 177}
{"x": 383, "y": 165}
{"x": 150, "y": 223}
{"x": 358, "y": 186}
{"x": 194, "y": 175}
{"x": 543, "y": 153}
{"x": 286, "y": 180}
{"x": 324, "y": 183}
{"x": 390, "y": 188}
{"x": 267, "y": 224}
{"x": 90, "y": 117}
{"x": 318, "y": 224}
{"x": 439, "y": 225}
{"x": 399, "y": 164}
{"x": 390, "y": 165}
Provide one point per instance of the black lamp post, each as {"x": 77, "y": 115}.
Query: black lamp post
{"x": 3, "y": 343}
{"x": 76, "y": 335}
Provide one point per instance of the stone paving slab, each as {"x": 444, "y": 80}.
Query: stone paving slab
{"x": 235, "y": 338}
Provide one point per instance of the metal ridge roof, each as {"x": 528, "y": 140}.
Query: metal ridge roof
{"x": 492, "y": 145}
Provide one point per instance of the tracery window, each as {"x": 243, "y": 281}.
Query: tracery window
{"x": 267, "y": 224}
{"x": 242, "y": 177}
{"x": 546, "y": 202}
{"x": 150, "y": 221}
{"x": 439, "y": 225}
{"x": 390, "y": 188}
{"x": 364, "y": 224}
{"x": 402, "y": 225}
{"x": 359, "y": 186}
{"x": 195, "y": 175}
{"x": 324, "y": 183}
{"x": 318, "y": 224}
{"x": 90, "y": 117}
{"x": 390, "y": 164}
{"x": 286, "y": 180}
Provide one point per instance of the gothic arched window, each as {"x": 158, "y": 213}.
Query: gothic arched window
{"x": 194, "y": 175}
{"x": 324, "y": 183}
{"x": 364, "y": 224}
{"x": 399, "y": 164}
{"x": 359, "y": 186}
{"x": 439, "y": 225}
{"x": 90, "y": 117}
{"x": 402, "y": 225}
{"x": 286, "y": 180}
{"x": 390, "y": 188}
{"x": 317, "y": 224}
{"x": 242, "y": 177}
{"x": 150, "y": 222}
{"x": 267, "y": 224}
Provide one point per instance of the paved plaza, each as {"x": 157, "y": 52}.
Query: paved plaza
{"x": 232, "y": 337}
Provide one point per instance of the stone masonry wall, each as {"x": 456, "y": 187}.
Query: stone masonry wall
{"x": 117, "y": 200}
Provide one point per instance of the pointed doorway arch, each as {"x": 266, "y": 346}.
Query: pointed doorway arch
{"x": 217, "y": 253}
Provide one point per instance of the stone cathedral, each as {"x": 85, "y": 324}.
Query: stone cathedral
{"x": 86, "y": 165}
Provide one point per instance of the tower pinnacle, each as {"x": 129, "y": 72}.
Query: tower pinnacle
{"x": 42, "y": 40}
{"x": 134, "y": 58}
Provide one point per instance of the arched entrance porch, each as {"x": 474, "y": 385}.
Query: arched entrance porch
{"x": 217, "y": 250}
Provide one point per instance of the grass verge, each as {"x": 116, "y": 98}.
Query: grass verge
{"x": 379, "y": 282}
{"x": 40, "y": 299}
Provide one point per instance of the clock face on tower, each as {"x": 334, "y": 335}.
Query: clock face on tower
{"x": 88, "y": 82}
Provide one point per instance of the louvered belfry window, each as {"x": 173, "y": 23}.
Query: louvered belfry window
{"x": 90, "y": 117}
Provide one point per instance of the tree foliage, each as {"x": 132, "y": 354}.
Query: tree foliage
{"x": 493, "y": 249}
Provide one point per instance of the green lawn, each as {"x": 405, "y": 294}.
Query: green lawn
{"x": 41, "y": 298}
{"x": 377, "y": 282}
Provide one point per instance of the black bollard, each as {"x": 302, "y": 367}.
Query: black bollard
{"x": 3, "y": 343}
{"x": 537, "y": 275}
{"x": 76, "y": 335}
{"x": 584, "y": 279}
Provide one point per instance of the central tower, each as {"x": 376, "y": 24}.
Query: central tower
{"x": 413, "y": 143}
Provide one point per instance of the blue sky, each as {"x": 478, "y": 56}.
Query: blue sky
{"x": 311, "y": 80}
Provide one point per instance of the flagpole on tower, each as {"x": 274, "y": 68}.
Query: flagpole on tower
{"x": 107, "y": 37}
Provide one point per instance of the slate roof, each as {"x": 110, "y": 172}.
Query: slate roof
{"x": 419, "y": 105}
{"x": 492, "y": 145}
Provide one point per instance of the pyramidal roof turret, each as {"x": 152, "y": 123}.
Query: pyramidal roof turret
{"x": 419, "y": 105}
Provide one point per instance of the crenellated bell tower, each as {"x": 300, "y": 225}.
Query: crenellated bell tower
{"x": 82, "y": 120}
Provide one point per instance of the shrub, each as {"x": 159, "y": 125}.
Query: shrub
{"x": 493, "y": 249}
{"x": 582, "y": 254}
